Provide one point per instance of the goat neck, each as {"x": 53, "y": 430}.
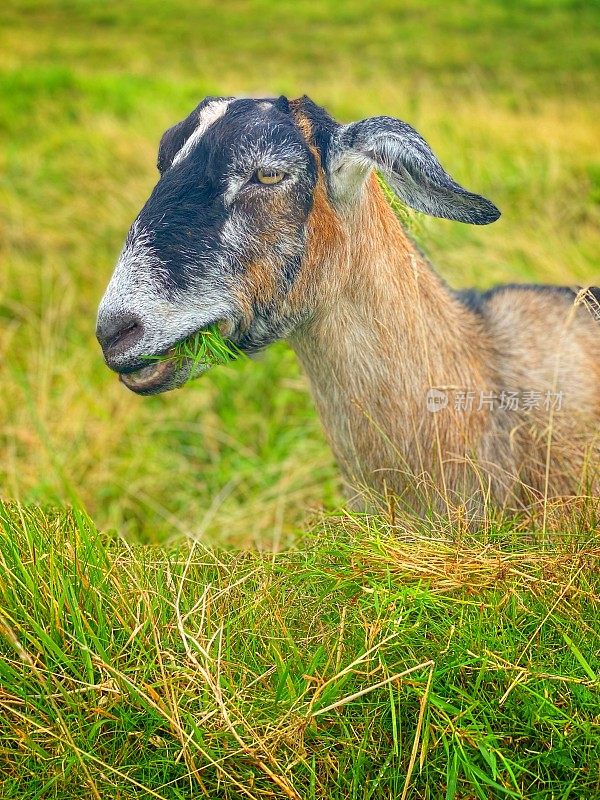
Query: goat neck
{"x": 384, "y": 331}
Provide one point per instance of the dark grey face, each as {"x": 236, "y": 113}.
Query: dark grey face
{"x": 212, "y": 213}
{"x": 222, "y": 238}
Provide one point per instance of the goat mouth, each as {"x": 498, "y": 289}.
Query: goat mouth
{"x": 150, "y": 379}
{"x": 168, "y": 369}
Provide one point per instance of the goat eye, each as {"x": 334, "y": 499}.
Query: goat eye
{"x": 269, "y": 176}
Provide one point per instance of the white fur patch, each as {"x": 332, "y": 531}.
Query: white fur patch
{"x": 209, "y": 115}
{"x": 347, "y": 175}
{"x": 137, "y": 270}
{"x": 233, "y": 187}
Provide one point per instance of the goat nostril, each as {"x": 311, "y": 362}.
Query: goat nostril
{"x": 122, "y": 334}
{"x": 119, "y": 333}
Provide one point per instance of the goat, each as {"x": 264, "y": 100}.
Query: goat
{"x": 269, "y": 219}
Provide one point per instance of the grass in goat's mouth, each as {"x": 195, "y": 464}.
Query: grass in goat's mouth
{"x": 205, "y": 348}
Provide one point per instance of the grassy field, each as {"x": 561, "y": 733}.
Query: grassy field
{"x": 133, "y": 659}
{"x": 375, "y": 661}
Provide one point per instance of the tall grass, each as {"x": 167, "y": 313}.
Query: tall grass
{"x": 381, "y": 660}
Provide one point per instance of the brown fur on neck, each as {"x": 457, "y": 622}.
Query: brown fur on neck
{"x": 384, "y": 330}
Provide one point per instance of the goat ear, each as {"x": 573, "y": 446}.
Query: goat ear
{"x": 408, "y": 165}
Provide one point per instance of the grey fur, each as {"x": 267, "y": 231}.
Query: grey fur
{"x": 411, "y": 168}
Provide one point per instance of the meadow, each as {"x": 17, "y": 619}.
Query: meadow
{"x": 186, "y": 608}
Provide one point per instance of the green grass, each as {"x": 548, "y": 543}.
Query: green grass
{"x": 376, "y": 659}
{"x": 135, "y": 651}
{"x": 203, "y": 349}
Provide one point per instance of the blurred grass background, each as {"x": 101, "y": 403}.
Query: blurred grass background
{"x": 506, "y": 93}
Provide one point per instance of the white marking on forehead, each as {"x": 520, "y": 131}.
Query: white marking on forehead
{"x": 209, "y": 115}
